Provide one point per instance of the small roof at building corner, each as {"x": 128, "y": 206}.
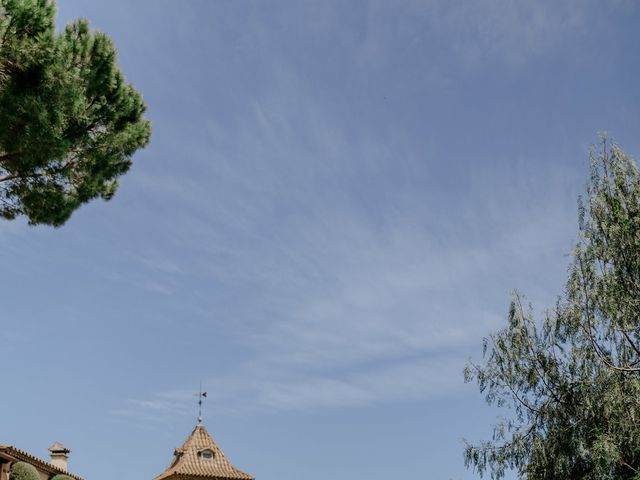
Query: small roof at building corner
{"x": 58, "y": 447}
{"x": 11, "y": 453}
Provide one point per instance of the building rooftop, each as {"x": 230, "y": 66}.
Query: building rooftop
{"x": 21, "y": 455}
{"x": 200, "y": 456}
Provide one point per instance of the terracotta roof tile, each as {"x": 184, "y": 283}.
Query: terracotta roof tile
{"x": 58, "y": 447}
{"x": 27, "y": 457}
{"x": 188, "y": 461}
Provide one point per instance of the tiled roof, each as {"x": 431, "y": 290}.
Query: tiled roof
{"x": 23, "y": 456}
{"x": 189, "y": 462}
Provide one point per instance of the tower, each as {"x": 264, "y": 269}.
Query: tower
{"x": 200, "y": 458}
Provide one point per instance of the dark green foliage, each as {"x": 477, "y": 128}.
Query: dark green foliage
{"x": 60, "y": 476}
{"x": 572, "y": 382}
{"x": 69, "y": 123}
{"x": 24, "y": 471}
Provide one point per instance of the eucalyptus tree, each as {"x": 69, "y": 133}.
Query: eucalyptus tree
{"x": 69, "y": 123}
{"x": 571, "y": 381}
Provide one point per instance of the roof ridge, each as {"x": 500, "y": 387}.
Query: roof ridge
{"x": 26, "y": 456}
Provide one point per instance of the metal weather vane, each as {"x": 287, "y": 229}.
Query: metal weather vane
{"x": 200, "y": 396}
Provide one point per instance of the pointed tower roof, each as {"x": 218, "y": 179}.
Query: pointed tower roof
{"x": 200, "y": 457}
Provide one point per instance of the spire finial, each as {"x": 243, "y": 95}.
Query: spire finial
{"x": 200, "y": 396}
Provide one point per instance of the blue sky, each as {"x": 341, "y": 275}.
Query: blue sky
{"x": 337, "y": 201}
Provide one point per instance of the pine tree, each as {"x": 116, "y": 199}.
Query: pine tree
{"x": 572, "y": 381}
{"x": 69, "y": 123}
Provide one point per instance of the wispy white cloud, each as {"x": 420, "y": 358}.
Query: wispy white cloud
{"x": 360, "y": 313}
{"x": 417, "y": 379}
{"x": 156, "y": 408}
{"x": 353, "y": 294}
{"x": 473, "y": 32}
{"x": 512, "y": 30}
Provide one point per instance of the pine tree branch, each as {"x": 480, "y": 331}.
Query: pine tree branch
{"x": 47, "y": 173}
